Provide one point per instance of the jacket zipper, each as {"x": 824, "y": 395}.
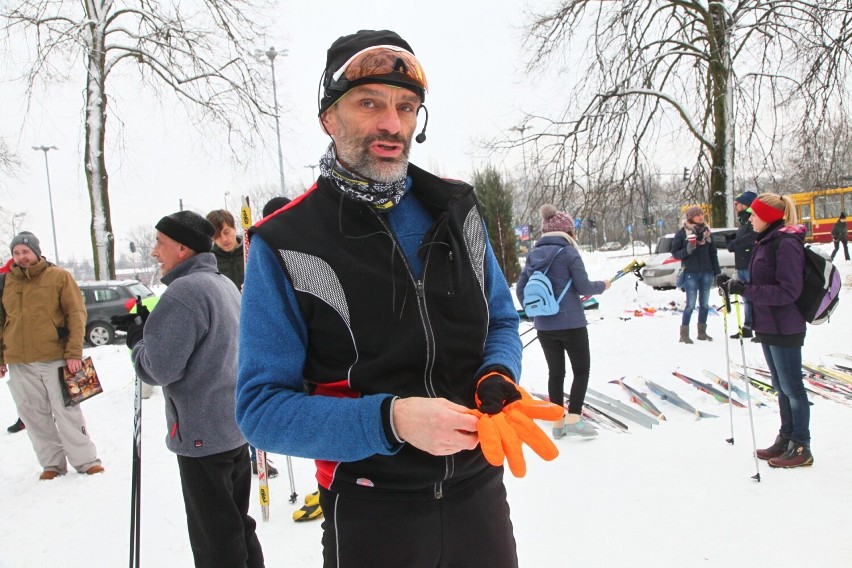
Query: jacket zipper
{"x": 419, "y": 285}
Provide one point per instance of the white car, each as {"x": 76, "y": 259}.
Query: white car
{"x": 661, "y": 268}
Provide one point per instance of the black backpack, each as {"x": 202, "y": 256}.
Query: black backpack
{"x": 820, "y": 286}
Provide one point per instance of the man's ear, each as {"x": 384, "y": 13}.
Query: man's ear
{"x": 326, "y": 123}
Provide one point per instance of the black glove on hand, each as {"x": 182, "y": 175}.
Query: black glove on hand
{"x": 135, "y": 334}
{"x": 722, "y": 280}
{"x": 122, "y": 322}
{"x": 735, "y": 287}
{"x": 494, "y": 392}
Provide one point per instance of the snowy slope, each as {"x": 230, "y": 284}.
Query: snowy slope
{"x": 674, "y": 496}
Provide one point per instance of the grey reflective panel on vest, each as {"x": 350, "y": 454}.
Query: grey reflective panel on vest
{"x": 314, "y": 276}
{"x": 474, "y": 236}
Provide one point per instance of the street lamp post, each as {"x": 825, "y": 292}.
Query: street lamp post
{"x": 313, "y": 168}
{"x": 271, "y": 53}
{"x": 16, "y": 226}
{"x": 46, "y": 149}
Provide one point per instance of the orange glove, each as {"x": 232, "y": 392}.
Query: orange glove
{"x": 502, "y": 429}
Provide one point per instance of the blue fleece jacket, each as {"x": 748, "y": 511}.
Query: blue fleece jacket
{"x": 273, "y": 410}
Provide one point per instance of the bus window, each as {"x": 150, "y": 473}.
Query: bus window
{"x": 828, "y": 206}
{"x": 804, "y": 212}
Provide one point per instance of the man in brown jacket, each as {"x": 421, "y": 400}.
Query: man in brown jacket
{"x": 42, "y": 323}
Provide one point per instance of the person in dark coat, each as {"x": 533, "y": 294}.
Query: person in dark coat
{"x": 564, "y": 331}
{"x": 697, "y": 252}
{"x": 776, "y": 270}
{"x": 840, "y": 235}
{"x": 227, "y": 246}
{"x": 741, "y": 245}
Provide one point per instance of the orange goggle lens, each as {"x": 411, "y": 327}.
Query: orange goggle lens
{"x": 383, "y": 60}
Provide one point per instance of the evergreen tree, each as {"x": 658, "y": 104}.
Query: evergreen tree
{"x": 495, "y": 198}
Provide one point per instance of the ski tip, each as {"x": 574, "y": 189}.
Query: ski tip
{"x": 661, "y": 417}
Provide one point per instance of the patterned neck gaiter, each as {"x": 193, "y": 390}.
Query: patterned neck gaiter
{"x": 378, "y": 194}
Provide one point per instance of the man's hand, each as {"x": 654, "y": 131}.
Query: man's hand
{"x": 435, "y": 425}
{"x": 73, "y": 365}
{"x": 3, "y": 370}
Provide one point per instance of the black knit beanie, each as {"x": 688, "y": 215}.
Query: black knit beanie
{"x": 189, "y": 229}
{"x": 345, "y": 47}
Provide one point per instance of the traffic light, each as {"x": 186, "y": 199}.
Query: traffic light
{"x": 132, "y": 247}
{"x": 591, "y": 223}
{"x": 685, "y": 174}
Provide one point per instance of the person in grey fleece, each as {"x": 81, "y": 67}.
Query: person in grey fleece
{"x": 188, "y": 345}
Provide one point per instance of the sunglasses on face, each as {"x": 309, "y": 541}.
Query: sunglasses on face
{"x": 382, "y": 60}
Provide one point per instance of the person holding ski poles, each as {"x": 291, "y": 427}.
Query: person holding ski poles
{"x": 741, "y": 245}
{"x": 776, "y": 270}
{"x": 375, "y": 321}
{"x": 566, "y": 330}
{"x": 696, "y": 250}
{"x": 188, "y": 346}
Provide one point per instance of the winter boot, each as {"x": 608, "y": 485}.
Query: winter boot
{"x": 16, "y": 427}
{"x": 745, "y": 333}
{"x": 797, "y": 455}
{"x": 776, "y": 450}
{"x": 702, "y": 332}
{"x": 576, "y": 426}
{"x": 271, "y": 470}
{"x": 559, "y": 428}
{"x": 684, "y": 334}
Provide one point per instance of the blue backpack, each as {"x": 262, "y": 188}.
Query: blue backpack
{"x": 538, "y": 293}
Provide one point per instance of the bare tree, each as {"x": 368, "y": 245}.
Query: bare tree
{"x": 143, "y": 237}
{"x": 651, "y": 66}
{"x": 199, "y": 50}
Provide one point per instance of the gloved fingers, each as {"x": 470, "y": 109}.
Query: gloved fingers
{"x": 532, "y": 435}
{"x": 538, "y": 409}
{"x": 489, "y": 440}
{"x": 511, "y": 445}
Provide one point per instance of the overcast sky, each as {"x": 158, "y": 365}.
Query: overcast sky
{"x": 470, "y": 51}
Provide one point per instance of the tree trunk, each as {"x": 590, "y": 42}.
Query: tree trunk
{"x": 103, "y": 248}
{"x": 720, "y": 73}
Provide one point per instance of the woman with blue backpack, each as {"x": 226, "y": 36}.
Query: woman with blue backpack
{"x": 776, "y": 281}
{"x": 556, "y": 256}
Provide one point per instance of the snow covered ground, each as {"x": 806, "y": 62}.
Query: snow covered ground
{"x": 674, "y": 496}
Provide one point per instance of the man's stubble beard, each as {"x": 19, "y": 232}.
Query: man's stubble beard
{"x": 354, "y": 153}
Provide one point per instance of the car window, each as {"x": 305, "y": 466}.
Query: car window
{"x": 139, "y": 289}
{"x": 105, "y": 294}
{"x": 664, "y": 244}
{"x": 720, "y": 239}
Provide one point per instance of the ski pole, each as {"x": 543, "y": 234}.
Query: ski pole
{"x": 756, "y": 476}
{"x": 726, "y": 309}
{"x": 136, "y": 471}
{"x": 293, "y": 494}
{"x": 632, "y": 267}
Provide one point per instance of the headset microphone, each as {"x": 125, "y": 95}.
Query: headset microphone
{"x": 421, "y": 138}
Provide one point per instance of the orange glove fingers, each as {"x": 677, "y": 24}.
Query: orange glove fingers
{"x": 489, "y": 440}
{"x": 532, "y": 435}
{"x": 511, "y": 445}
{"x": 538, "y": 409}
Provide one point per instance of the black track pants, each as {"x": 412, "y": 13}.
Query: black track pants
{"x": 216, "y": 492}
{"x": 576, "y": 343}
{"x": 468, "y": 527}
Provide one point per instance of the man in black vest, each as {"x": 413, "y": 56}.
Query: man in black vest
{"x": 375, "y": 317}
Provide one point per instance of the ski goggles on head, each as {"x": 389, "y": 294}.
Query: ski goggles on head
{"x": 381, "y": 64}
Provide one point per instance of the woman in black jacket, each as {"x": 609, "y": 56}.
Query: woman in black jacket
{"x": 697, "y": 252}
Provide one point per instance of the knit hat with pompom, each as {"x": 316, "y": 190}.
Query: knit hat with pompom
{"x": 554, "y": 220}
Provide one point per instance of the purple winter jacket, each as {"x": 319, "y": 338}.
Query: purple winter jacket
{"x": 773, "y": 291}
